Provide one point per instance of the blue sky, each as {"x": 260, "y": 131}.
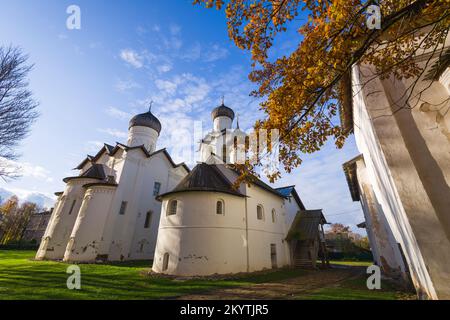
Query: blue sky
{"x": 89, "y": 82}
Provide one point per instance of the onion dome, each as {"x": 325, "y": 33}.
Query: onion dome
{"x": 146, "y": 119}
{"x": 223, "y": 111}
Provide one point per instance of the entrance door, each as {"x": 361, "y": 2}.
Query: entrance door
{"x": 273, "y": 255}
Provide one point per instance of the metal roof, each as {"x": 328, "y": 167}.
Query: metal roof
{"x": 222, "y": 111}
{"x": 205, "y": 177}
{"x": 146, "y": 119}
{"x": 96, "y": 171}
{"x": 290, "y": 191}
{"x": 306, "y": 225}
{"x": 110, "y": 150}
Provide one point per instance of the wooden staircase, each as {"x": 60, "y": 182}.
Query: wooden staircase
{"x": 303, "y": 263}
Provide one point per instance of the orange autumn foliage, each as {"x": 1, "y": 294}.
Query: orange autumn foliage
{"x": 301, "y": 91}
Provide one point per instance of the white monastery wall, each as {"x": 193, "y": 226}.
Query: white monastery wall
{"x": 263, "y": 233}
{"x": 291, "y": 208}
{"x": 198, "y": 240}
{"x": 403, "y": 197}
{"x": 383, "y": 243}
{"x": 86, "y": 237}
{"x": 62, "y": 221}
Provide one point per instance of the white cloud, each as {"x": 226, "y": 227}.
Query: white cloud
{"x": 176, "y": 43}
{"x": 181, "y": 93}
{"x": 167, "y": 86}
{"x": 195, "y": 90}
{"x": 178, "y": 137}
{"x": 125, "y": 85}
{"x": 26, "y": 169}
{"x": 215, "y": 52}
{"x": 42, "y": 199}
{"x": 321, "y": 183}
{"x": 164, "y": 68}
{"x": 35, "y": 171}
{"x": 132, "y": 57}
{"x": 115, "y": 133}
{"x": 192, "y": 53}
{"x": 175, "y": 29}
{"x": 172, "y": 41}
{"x": 208, "y": 53}
{"x": 118, "y": 114}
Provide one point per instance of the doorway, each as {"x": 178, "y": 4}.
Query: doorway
{"x": 273, "y": 255}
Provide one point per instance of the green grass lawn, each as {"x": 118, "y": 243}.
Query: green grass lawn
{"x": 352, "y": 263}
{"x": 22, "y": 278}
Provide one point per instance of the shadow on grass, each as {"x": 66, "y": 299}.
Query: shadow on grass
{"x": 356, "y": 289}
{"x": 129, "y": 263}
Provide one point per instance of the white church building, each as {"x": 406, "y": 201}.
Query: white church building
{"x": 109, "y": 211}
{"x": 130, "y": 202}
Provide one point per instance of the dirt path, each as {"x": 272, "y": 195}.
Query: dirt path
{"x": 284, "y": 289}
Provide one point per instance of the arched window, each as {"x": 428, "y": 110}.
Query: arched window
{"x": 173, "y": 206}
{"x": 260, "y": 212}
{"x": 165, "y": 261}
{"x": 220, "y": 207}
{"x": 274, "y": 214}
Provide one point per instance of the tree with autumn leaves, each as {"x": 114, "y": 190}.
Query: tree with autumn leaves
{"x": 303, "y": 91}
{"x": 14, "y": 218}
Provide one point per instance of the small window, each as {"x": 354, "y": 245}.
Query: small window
{"x": 173, "y": 206}
{"x": 156, "y": 188}
{"x": 259, "y": 212}
{"x": 224, "y": 153}
{"x": 220, "y": 208}
{"x": 165, "y": 262}
{"x": 274, "y": 214}
{"x": 123, "y": 208}
{"x": 72, "y": 206}
{"x": 148, "y": 220}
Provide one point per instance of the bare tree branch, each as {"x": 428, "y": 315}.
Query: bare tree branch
{"x": 17, "y": 106}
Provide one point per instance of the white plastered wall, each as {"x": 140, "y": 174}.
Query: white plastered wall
{"x": 383, "y": 182}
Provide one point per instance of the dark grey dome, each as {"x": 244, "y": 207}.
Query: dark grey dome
{"x": 146, "y": 120}
{"x": 222, "y": 111}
